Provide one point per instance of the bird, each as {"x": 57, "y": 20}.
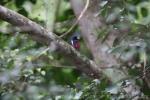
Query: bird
{"x": 75, "y": 40}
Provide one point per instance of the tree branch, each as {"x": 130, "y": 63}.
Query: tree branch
{"x": 48, "y": 38}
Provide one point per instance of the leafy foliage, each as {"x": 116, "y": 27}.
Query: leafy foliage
{"x": 29, "y": 72}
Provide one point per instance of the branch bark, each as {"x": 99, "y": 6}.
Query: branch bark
{"x": 48, "y": 38}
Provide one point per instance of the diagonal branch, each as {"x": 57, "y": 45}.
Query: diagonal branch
{"x": 48, "y": 38}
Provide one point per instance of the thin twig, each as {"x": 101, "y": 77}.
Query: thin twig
{"x": 141, "y": 76}
{"x": 80, "y": 16}
{"x": 144, "y": 70}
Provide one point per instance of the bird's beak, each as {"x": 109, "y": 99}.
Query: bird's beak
{"x": 78, "y": 37}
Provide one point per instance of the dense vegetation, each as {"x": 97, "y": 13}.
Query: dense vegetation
{"x": 30, "y": 71}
